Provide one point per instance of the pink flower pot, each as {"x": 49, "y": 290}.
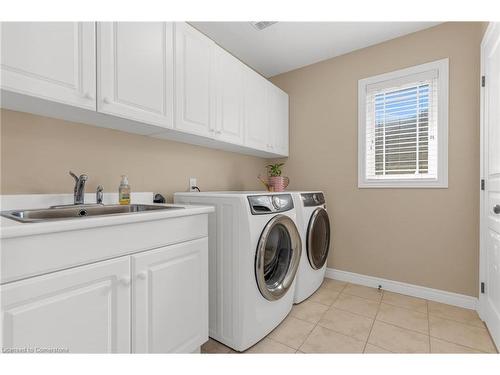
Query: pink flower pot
{"x": 278, "y": 183}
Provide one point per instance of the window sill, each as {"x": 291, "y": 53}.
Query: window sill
{"x": 411, "y": 184}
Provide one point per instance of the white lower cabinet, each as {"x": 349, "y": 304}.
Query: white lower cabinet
{"x": 81, "y": 310}
{"x": 89, "y": 309}
{"x": 170, "y": 298}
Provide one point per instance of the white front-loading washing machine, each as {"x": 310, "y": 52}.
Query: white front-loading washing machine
{"x": 315, "y": 232}
{"x": 254, "y": 253}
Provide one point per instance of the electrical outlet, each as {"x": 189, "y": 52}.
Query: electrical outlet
{"x": 192, "y": 183}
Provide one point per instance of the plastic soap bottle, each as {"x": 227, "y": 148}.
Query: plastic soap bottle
{"x": 124, "y": 191}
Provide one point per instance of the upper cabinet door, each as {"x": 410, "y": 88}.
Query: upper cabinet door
{"x": 278, "y": 120}
{"x": 135, "y": 71}
{"x": 50, "y": 60}
{"x": 229, "y": 78}
{"x": 256, "y": 111}
{"x": 194, "y": 81}
{"x": 83, "y": 309}
{"x": 170, "y": 294}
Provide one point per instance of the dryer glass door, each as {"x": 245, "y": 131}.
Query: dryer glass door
{"x": 277, "y": 257}
{"x": 318, "y": 238}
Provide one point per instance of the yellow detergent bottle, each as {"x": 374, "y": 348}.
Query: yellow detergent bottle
{"x": 124, "y": 191}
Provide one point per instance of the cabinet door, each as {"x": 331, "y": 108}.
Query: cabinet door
{"x": 135, "y": 75}
{"x": 256, "y": 118}
{"x": 229, "y": 98}
{"x": 194, "y": 81}
{"x": 278, "y": 120}
{"x": 50, "y": 60}
{"x": 170, "y": 298}
{"x": 83, "y": 310}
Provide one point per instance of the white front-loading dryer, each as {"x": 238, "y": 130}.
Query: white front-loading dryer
{"x": 315, "y": 232}
{"x": 254, "y": 253}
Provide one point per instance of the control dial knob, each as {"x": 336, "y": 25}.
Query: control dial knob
{"x": 277, "y": 202}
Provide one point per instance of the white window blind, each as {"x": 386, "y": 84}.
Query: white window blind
{"x": 401, "y": 128}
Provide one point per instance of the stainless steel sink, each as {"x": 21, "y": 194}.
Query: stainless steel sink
{"x": 81, "y": 211}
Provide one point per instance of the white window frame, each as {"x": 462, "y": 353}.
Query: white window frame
{"x": 442, "y": 128}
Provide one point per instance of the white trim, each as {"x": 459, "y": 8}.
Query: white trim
{"x": 443, "y": 83}
{"x": 483, "y": 230}
{"x": 431, "y": 294}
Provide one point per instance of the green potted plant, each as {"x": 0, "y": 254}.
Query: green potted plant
{"x": 276, "y": 182}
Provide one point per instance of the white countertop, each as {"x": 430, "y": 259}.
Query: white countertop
{"x": 11, "y": 228}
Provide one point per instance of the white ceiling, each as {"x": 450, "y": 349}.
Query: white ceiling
{"x": 286, "y": 46}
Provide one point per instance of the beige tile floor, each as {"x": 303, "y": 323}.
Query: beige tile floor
{"x": 349, "y": 318}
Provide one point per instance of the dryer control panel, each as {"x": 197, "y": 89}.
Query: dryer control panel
{"x": 313, "y": 199}
{"x": 270, "y": 204}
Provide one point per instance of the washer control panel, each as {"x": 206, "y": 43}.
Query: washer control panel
{"x": 313, "y": 199}
{"x": 269, "y": 204}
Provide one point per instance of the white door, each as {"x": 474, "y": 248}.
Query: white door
{"x": 278, "y": 120}
{"x": 490, "y": 198}
{"x": 229, "y": 78}
{"x": 135, "y": 71}
{"x": 83, "y": 310}
{"x": 256, "y": 112}
{"x": 170, "y": 298}
{"x": 194, "y": 81}
{"x": 50, "y": 60}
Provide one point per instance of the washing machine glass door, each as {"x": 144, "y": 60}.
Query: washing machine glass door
{"x": 318, "y": 238}
{"x": 277, "y": 257}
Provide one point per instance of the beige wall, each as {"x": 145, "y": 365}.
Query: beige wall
{"x": 428, "y": 237}
{"x": 37, "y": 153}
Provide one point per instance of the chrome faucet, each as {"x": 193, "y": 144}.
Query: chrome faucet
{"x": 79, "y": 192}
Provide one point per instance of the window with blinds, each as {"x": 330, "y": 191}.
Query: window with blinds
{"x": 400, "y": 124}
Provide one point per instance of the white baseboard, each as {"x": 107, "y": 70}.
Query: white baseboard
{"x": 436, "y": 295}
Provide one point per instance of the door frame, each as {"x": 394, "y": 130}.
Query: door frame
{"x": 483, "y": 150}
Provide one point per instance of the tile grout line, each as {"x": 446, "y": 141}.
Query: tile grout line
{"x": 317, "y": 323}
{"x": 355, "y": 295}
{"x": 443, "y": 317}
{"x": 303, "y": 320}
{"x": 458, "y": 322}
{"x": 404, "y": 328}
{"x": 373, "y": 323}
{"x": 276, "y": 341}
{"x": 406, "y": 308}
{"x": 462, "y": 345}
{"x": 354, "y": 313}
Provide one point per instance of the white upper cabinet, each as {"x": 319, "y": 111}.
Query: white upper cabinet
{"x": 277, "y": 120}
{"x": 50, "y": 60}
{"x": 135, "y": 71}
{"x": 161, "y": 79}
{"x": 256, "y": 117}
{"x": 229, "y": 98}
{"x": 194, "y": 81}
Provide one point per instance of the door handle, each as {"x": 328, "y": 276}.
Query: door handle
{"x": 496, "y": 209}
